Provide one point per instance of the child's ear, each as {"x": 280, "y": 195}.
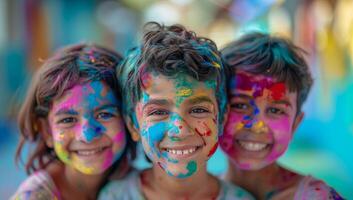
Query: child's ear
{"x": 45, "y": 131}
{"x": 298, "y": 119}
{"x": 133, "y": 130}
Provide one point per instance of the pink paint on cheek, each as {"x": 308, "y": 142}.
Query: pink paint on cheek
{"x": 119, "y": 137}
{"x": 233, "y": 123}
{"x": 227, "y": 141}
{"x": 108, "y": 161}
{"x": 282, "y": 135}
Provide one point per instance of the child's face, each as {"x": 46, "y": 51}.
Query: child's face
{"x": 261, "y": 120}
{"x": 87, "y": 128}
{"x": 178, "y": 122}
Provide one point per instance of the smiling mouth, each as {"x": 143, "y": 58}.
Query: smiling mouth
{"x": 253, "y": 146}
{"x": 181, "y": 152}
{"x": 90, "y": 152}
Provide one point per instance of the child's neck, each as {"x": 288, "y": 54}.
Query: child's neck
{"x": 266, "y": 182}
{"x": 157, "y": 184}
{"x": 75, "y": 185}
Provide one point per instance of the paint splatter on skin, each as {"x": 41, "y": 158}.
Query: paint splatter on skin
{"x": 262, "y": 110}
{"x": 191, "y": 167}
{"x": 183, "y": 106}
{"x": 86, "y": 118}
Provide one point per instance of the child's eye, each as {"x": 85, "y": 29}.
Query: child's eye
{"x": 105, "y": 115}
{"x": 67, "y": 120}
{"x": 199, "y": 110}
{"x": 158, "y": 113}
{"x": 239, "y": 106}
{"x": 276, "y": 111}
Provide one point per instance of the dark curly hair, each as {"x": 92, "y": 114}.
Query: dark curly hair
{"x": 169, "y": 50}
{"x": 260, "y": 53}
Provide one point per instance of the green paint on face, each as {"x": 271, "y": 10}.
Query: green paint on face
{"x": 191, "y": 167}
{"x": 183, "y": 88}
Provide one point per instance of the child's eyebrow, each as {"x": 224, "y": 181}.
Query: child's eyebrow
{"x": 245, "y": 96}
{"x": 67, "y": 111}
{"x": 283, "y": 101}
{"x": 199, "y": 99}
{"x": 161, "y": 102}
{"x": 107, "y": 106}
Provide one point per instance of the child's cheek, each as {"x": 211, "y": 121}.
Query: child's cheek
{"x": 282, "y": 136}
{"x": 234, "y": 123}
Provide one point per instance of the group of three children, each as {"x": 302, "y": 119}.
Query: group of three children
{"x": 182, "y": 98}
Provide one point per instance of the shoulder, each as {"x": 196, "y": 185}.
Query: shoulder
{"x": 38, "y": 185}
{"x": 122, "y": 189}
{"x": 230, "y": 191}
{"x": 311, "y": 188}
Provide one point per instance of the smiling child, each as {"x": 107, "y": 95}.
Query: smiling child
{"x": 270, "y": 82}
{"x": 175, "y": 104}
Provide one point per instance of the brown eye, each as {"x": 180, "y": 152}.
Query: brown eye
{"x": 158, "y": 112}
{"x": 199, "y": 110}
{"x": 105, "y": 115}
{"x": 67, "y": 120}
{"x": 240, "y": 106}
{"x": 276, "y": 111}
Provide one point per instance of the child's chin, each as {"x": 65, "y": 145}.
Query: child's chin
{"x": 92, "y": 170}
{"x": 250, "y": 165}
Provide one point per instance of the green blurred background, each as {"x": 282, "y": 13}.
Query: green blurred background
{"x": 30, "y": 30}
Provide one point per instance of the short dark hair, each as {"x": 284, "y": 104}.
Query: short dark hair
{"x": 69, "y": 66}
{"x": 169, "y": 50}
{"x": 260, "y": 53}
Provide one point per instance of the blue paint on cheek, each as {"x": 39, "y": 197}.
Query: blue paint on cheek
{"x": 154, "y": 135}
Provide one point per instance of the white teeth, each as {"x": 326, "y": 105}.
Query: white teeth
{"x": 89, "y": 152}
{"x": 253, "y": 146}
{"x": 181, "y": 152}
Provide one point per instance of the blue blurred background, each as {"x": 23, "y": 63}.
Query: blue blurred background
{"x": 31, "y": 30}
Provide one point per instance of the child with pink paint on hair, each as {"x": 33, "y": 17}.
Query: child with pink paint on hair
{"x": 71, "y": 116}
{"x": 174, "y": 104}
{"x": 269, "y": 83}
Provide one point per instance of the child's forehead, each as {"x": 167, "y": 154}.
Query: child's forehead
{"x": 86, "y": 92}
{"x": 259, "y": 85}
{"x": 178, "y": 81}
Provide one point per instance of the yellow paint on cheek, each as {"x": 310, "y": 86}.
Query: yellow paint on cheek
{"x": 81, "y": 167}
{"x": 62, "y": 154}
{"x": 184, "y": 92}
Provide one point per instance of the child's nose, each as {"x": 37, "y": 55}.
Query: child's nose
{"x": 90, "y": 131}
{"x": 259, "y": 127}
{"x": 180, "y": 128}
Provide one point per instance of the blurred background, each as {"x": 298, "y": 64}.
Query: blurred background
{"x": 30, "y": 30}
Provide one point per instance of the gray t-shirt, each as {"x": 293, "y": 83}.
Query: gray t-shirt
{"x": 130, "y": 188}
